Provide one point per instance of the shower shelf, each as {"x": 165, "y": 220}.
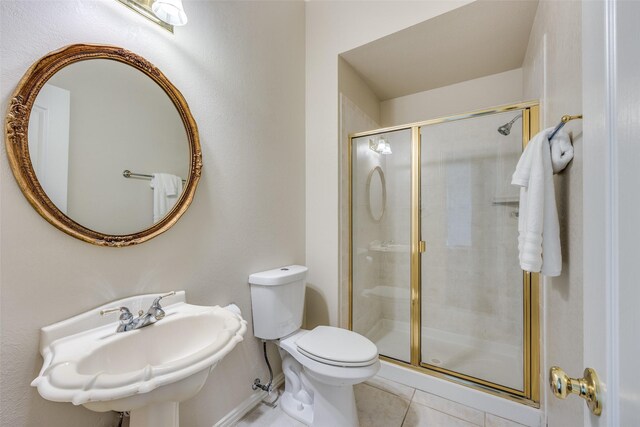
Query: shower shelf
{"x": 391, "y": 292}
{"x": 379, "y": 246}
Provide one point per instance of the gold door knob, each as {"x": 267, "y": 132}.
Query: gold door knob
{"x": 588, "y": 387}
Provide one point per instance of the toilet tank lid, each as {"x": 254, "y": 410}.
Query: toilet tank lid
{"x": 279, "y": 276}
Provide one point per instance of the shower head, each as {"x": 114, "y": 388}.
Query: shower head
{"x": 505, "y": 129}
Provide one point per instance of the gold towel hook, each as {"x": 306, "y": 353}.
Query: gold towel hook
{"x": 566, "y": 118}
{"x": 563, "y": 121}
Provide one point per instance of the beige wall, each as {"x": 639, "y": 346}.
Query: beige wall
{"x": 333, "y": 28}
{"x": 351, "y": 84}
{"x": 552, "y": 72}
{"x": 476, "y": 94}
{"x": 240, "y": 65}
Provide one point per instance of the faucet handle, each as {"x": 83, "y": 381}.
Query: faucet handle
{"x": 125, "y": 316}
{"x": 124, "y": 310}
{"x": 156, "y": 302}
{"x": 168, "y": 294}
{"x": 110, "y": 310}
{"x": 156, "y": 308}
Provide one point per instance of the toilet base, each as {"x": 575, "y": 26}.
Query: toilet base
{"x": 297, "y": 399}
{"x": 297, "y": 410}
{"x": 313, "y": 402}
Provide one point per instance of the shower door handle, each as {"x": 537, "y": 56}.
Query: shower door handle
{"x": 588, "y": 387}
{"x": 422, "y": 246}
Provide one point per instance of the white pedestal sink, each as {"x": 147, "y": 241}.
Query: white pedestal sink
{"x": 147, "y": 371}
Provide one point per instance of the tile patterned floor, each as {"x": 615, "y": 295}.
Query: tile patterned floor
{"x": 384, "y": 403}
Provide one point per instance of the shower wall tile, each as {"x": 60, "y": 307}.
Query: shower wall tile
{"x": 479, "y": 285}
{"x": 450, "y": 407}
{"x": 397, "y": 309}
{"x": 367, "y": 316}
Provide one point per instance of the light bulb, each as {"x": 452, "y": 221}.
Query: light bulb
{"x": 170, "y": 11}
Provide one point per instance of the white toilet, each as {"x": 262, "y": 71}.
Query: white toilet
{"x": 320, "y": 366}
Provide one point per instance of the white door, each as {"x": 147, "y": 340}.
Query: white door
{"x": 49, "y": 142}
{"x": 611, "y": 96}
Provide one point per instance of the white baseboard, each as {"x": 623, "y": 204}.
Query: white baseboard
{"x": 247, "y": 405}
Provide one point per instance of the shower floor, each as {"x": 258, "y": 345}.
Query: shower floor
{"x": 490, "y": 361}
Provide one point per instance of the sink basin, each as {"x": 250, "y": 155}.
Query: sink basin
{"x": 147, "y": 371}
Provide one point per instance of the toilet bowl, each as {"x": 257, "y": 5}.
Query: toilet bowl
{"x": 318, "y": 385}
{"x": 320, "y": 366}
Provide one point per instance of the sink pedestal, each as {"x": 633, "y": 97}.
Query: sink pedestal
{"x": 163, "y": 414}
{"x": 158, "y": 408}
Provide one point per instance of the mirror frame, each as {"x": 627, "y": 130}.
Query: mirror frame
{"x": 383, "y": 183}
{"x": 16, "y": 132}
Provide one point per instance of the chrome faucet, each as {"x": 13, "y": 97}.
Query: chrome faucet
{"x": 128, "y": 323}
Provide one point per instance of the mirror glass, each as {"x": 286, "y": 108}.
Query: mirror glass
{"x": 90, "y": 122}
{"x": 376, "y": 193}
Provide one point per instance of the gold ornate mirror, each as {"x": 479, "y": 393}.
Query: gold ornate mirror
{"x": 103, "y": 145}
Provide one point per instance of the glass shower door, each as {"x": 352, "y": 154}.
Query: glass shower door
{"x": 472, "y": 312}
{"x": 380, "y": 240}
{"x": 434, "y": 275}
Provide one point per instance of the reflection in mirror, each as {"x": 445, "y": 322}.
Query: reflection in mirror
{"x": 376, "y": 193}
{"x": 83, "y": 115}
{"x": 92, "y": 120}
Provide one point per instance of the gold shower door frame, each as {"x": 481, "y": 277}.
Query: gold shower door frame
{"x": 531, "y": 297}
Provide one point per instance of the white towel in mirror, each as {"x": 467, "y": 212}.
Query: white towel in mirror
{"x": 166, "y": 191}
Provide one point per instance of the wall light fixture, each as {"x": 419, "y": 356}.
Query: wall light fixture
{"x": 166, "y": 13}
{"x": 170, "y": 11}
{"x": 381, "y": 146}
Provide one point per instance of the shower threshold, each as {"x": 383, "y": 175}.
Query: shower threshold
{"x": 486, "y": 360}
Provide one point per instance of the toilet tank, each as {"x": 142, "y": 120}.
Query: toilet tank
{"x": 277, "y": 301}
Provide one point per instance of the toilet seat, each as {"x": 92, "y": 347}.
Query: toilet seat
{"x": 337, "y": 347}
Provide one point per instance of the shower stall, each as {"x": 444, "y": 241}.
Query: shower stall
{"x": 434, "y": 278}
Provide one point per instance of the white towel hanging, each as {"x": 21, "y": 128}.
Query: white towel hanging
{"x": 561, "y": 151}
{"x": 538, "y": 226}
{"x": 166, "y": 191}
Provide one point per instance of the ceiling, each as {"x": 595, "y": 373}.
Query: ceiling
{"x": 479, "y": 39}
